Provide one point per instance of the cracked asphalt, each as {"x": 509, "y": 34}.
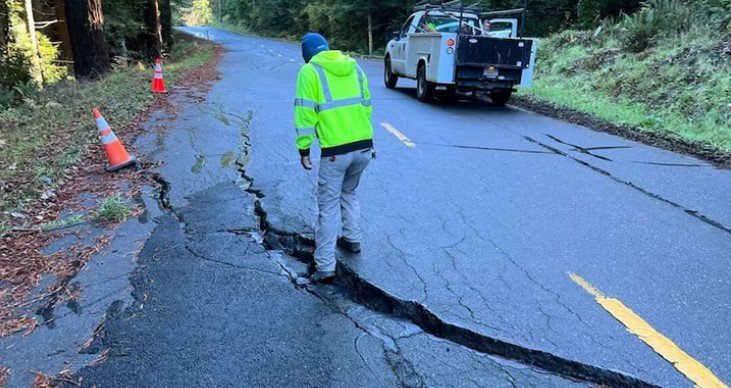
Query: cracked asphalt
{"x": 480, "y": 223}
{"x": 469, "y": 237}
{"x": 209, "y": 304}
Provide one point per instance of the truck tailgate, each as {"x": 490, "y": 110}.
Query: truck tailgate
{"x": 483, "y": 51}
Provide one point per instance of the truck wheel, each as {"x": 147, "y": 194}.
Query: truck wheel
{"x": 424, "y": 88}
{"x": 389, "y": 78}
{"x": 500, "y": 97}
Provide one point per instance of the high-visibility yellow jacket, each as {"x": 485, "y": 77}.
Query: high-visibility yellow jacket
{"x": 333, "y": 102}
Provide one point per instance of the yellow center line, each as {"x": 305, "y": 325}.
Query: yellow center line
{"x": 399, "y": 135}
{"x": 696, "y": 372}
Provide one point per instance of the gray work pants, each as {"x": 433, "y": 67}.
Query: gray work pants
{"x": 338, "y": 178}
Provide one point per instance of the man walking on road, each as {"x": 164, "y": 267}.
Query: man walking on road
{"x": 333, "y": 102}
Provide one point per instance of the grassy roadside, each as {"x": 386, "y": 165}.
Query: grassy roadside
{"x": 668, "y": 77}
{"x": 45, "y": 137}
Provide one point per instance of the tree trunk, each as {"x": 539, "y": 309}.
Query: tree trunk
{"x": 36, "y": 73}
{"x": 166, "y": 23}
{"x": 4, "y": 30}
{"x": 63, "y": 30}
{"x": 153, "y": 35}
{"x": 85, "y": 22}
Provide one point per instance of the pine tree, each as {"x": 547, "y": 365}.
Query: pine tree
{"x": 85, "y": 21}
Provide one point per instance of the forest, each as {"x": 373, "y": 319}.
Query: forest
{"x": 44, "y": 41}
{"x": 604, "y": 48}
{"x": 350, "y": 23}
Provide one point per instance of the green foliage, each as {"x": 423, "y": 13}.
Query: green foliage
{"x": 588, "y": 12}
{"x": 61, "y": 223}
{"x": 343, "y": 22}
{"x": 656, "y": 16}
{"x": 7, "y": 97}
{"x": 662, "y": 69}
{"x": 199, "y": 14}
{"x": 113, "y": 209}
{"x": 18, "y": 54}
{"x": 122, "y": 21}
{"x": 25, "y": 90}
{"x": 19, "y": 49}
{"x": 48, "y": 53}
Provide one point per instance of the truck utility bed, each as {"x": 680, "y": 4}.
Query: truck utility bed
{"x": 507, "y": 57}
{"x": 483, "y": 51}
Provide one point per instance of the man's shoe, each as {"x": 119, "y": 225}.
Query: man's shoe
{"x": 352, "y": 247}
{"x": 322, "y": 276}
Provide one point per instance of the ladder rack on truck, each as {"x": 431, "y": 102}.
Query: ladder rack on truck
{"x": 458, "y": 48}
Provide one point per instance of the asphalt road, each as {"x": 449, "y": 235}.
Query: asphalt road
{"x": 207, "y": 305}
{"x": 481, "y": 221}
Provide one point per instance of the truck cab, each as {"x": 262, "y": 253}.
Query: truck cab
{"x": 460, "y": 50}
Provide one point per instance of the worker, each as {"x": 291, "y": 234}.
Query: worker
{"x": 333, "y": 104}
{"x": 427, "y": 25}
{"x": 486, "y": 27}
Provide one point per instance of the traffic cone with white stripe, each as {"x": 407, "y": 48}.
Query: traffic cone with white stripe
{"x": 158, "y": 83}
{"x": 117, "y": 156}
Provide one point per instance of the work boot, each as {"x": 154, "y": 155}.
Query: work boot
{"x": 352, "y": 247}
{"x": 322, "y": 276}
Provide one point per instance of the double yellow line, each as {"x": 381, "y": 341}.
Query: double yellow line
{"x": 687, "y": 365}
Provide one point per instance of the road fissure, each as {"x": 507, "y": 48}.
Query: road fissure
{"x": 367, "y": 294}
{"x": 691, "y": 212}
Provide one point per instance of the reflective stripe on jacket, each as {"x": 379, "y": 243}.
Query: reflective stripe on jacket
{"x": 333, "y": 102}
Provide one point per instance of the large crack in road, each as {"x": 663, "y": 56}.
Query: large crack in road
{"x": 219, "y": 241}
{"x": 360, "y": 291}
{"x": 463, "y": 304}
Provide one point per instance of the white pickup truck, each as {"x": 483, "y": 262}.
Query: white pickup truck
{"x": 460, "y": 50}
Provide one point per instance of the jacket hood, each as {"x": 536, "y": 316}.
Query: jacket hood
{"x": 335, "y": 62}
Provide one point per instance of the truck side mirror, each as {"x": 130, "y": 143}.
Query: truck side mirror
{"x": 396, "y": 34}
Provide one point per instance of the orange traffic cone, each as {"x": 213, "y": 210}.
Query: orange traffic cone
{"x": 158, "y": 83}
{"x": 117, "y": 156}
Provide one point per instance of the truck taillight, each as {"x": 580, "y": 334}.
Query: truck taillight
{"x": 450, "y": 43}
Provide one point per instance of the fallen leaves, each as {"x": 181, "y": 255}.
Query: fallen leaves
{"x": 23, "y": 264}
{"x": 43, "y": 381}
{"x": 14, "y": 325}
{"x": 4, "y": 374}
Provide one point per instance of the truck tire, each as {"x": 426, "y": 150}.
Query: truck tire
{"x": 500, "y": 97}
{"x": 424, "y": 88}
{"x": 389, "y": 78}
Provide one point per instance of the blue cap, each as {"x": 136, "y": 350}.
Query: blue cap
{"x": 312, "y": 44}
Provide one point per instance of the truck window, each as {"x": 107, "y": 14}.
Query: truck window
{"x": 444, "y": 23}
{"x": 407, "y": 25}
{"x": 500, "y": 30}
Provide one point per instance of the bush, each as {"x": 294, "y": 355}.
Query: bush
{"x": 588, "y": 12}
{"x": 673, "y": 18}
{"x": 7, "y": 97}
{"x": 48, "y": 53}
